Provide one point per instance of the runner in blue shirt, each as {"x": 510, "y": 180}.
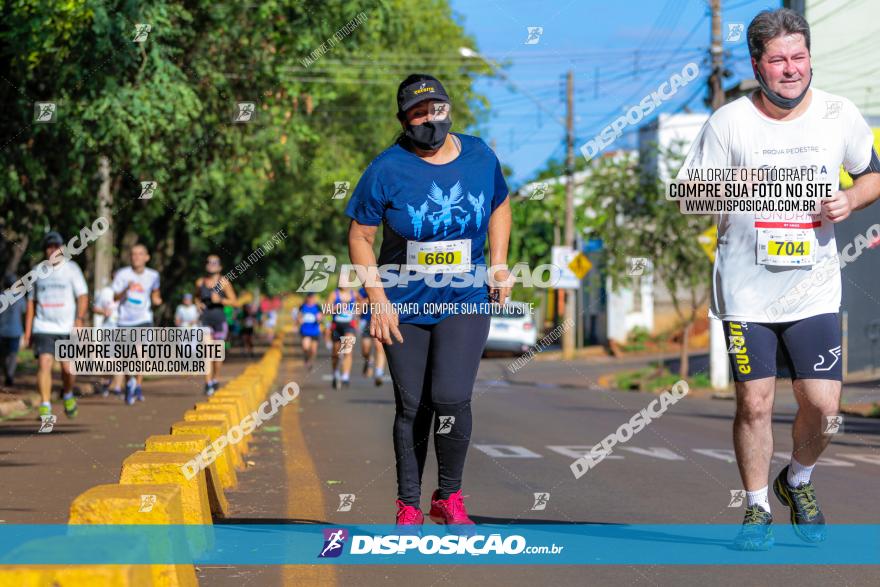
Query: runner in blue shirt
{"x": 439, "y": 197}
{"x": 309, "y": 318}
{"x": 374, "y": 356}
{"x": 343, "y": 329}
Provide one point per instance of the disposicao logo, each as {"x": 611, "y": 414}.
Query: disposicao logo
{"x": 334, "y": 542}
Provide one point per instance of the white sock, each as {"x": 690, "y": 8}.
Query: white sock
{"x": 380, "y": 373}
{"x": 798, "y": 473}
{"x": 759, "y": 497}
{"x": 336, "y": 373}
{"x": 47, "y": 404}
{"x": 345, "y": 376}
{"x": 67, "y": 395}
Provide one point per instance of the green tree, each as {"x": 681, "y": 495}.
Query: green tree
{"x": 163, "y": 109}
{"x": 642, "y": 223}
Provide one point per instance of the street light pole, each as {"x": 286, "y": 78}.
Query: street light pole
{"x": 568, "y": 336}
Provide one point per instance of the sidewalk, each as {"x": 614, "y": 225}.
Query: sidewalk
{"x": 591, "y": 369}
{"x": 44, "y": 472}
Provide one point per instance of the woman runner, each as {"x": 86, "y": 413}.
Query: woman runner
{"x": 439, "y": 197}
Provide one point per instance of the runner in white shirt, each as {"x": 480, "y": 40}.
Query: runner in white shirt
{"x": 57, "y": 303}
{"x": 106, "y": 310}
{"x": 137, "y": 290}
{"x": 785, "y": 124}
{"x": 187, "y": 314}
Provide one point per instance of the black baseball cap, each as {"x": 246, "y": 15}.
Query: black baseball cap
{"x": 52, "y": 238}
{"x": 418, "y": 88}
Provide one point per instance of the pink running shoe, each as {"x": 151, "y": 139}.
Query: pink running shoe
{"x": 408, "y": 515}
{"x": 450, "y": 511}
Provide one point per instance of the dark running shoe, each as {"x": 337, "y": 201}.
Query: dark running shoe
{"x": 756, "y": 532}
{"x": 806, "y": 516}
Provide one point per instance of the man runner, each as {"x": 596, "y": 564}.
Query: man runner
{"x": 786, "y": 124}
{"x": 57, "y": 304}
{"x": 137, "y": 290}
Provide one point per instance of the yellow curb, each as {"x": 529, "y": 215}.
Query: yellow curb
{"x": 224, "y": 462}
{"x": 165, "y": 467}
{"x": 246, "y": 397}
{"x": 191, "y": 445}
{"x": 237, "y": 400}
{"x": 126, "y": 504}
{"x": 220, "y": 417}
{"x": 230, "y": 407}
{"x": 226, "y": 416}
{"x": 76, "y": 575}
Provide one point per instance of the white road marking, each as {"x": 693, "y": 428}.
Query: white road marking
{"x": 824, "y": 461}
{"x": 658, "y": 452}
{"x": 575, "y": 451}
{"x": 507, "y": 451}
{"x": 872, "y": 459}
{"x": 724, "y": 454}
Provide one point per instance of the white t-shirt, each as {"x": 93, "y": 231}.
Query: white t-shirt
{"x": 135, "y": 307}
{"x": 56, "y": 296}
{"x": 830, "y": 133}
{"x": 188, "y": 315}
{"x": 105, "y": 300}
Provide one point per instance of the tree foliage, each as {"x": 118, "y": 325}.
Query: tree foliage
{"x": 163, "y": 109}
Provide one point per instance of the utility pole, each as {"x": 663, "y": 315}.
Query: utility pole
{"x": 568, "y": 337}
{"x": 718, "y": 364}
{"x": 104, "y": 244}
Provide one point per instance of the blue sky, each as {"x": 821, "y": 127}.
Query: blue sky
{"x": 619, "y": 52}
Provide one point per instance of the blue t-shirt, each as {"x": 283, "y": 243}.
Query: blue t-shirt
{"x": 422, "y": 202}
{"x": 10, "y": 319}
{"x": 310, "y": 325}
{"x": 365, "y": 305}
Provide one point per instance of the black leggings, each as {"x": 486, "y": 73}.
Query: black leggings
{"x": 434, "y": 370}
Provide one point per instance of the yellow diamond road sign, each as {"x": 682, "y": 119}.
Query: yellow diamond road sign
{"x": 708, "y": 240}
{"x": 580, "y": 265}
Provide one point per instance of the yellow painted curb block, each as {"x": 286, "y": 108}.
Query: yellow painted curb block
{"x": 221, "y": 418}
{"x": 229, "y": 407}
{"x": 235, "y": 399}
{"x": 191, "y": 445}
{"x": 222, "y": 414}
{"x": 253, "y": 387}
{"x": 238, "y": 409}
{"x": 166, "y": 467}
{"x": 126, "y": 504}
{"x": 214, "y": 429}
{"x": 249, "y": 403}
{"x": 75, "y": 575}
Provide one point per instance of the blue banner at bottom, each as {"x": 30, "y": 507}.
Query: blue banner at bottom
{"x": 523, "y": 544}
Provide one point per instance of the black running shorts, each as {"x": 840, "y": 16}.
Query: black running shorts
{"x": 810, "y": 348}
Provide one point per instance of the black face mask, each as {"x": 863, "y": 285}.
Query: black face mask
{"x": 428, "y": 136}
{"x": 779, "y": 101}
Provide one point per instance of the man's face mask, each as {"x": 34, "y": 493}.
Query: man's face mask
{"x": 431, "y": 134}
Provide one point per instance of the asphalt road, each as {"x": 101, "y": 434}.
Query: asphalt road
{"x": 678, "y": 470}
{"x": 528, "y": 428}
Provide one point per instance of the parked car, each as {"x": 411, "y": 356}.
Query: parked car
{"x": 511, "y": 329}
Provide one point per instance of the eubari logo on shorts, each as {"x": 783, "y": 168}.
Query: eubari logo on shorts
{"x": 334, "y": 542}
{"x": 738, "y": 347}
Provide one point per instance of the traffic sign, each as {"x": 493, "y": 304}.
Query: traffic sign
{"x": 562, "y": 258}
{"x": 708, "y": 240}
{"x": 580, "y": 265}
